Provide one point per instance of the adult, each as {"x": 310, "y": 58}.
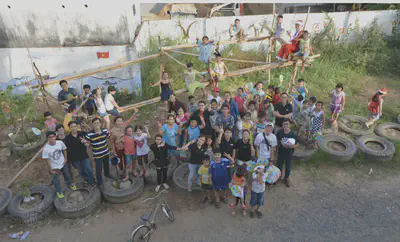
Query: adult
{"x": 202, "y": 115}
{"x": 67, "y": 95}
{"x": 233, "y": 108}
{"x": 174, "y": 105}
{"x": 287, "y": 142}
{"x": 283, "y": 110}
{"x": 224, "y": 120}
{"x": 197, "y": 152}
{"x": 226, "y": 143}
{"x": 111, "y": 105}
{"x": 244, "y": 149}
{"x": 77, "y": 153}
{"x": 116, "y": 142}
{"x": 265, "y": 144}
{"x": 169, "y": 132}
{"x": 101, "y": 107}
{"x": 235, "y": 30}
{"x": 293, "y": 47}
{"x": 60, "y": 131}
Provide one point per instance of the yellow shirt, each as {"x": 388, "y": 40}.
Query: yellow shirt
{"x": 67, "y": 119}
{"x": 203, "y": 172}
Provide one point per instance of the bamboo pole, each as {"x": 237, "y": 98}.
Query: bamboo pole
{"x": 269, "y": 57}
{"x": 25, "y": 167}
{"x": 293, "y": 77}
{"x": 305, "y": 23}
{"x": 173, "y": 58}
{"x": 161, "y": 72}
{"x": 108, "y": 68}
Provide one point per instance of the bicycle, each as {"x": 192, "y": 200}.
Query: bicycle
{"x": 148, "y": 225}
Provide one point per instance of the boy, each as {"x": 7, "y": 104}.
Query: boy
{"x": 305, "y": 112}
{"x": 49, "y": 122}
{"x": 297, "y": 104}
{"x": 261, "y": 122}
{"x": 205, "y": 179}
{"x": 270, "y": 92}
{"x": 192, "y": 105}
{"x": 219, "y": 176}
{"x": 278, "y": 32}
{"x": 55, "y": 153}
{"x": 111, "y": 106}
{"x": 301, "y": 88}
{"x": 193, "y": 131}
{"x": 252, "y": 109}
{"x": 239, "y": 100}
{"x": 70, "y": 116}
{"x": 235, "y": 30}
{"x": 257, "y": 191}
{"x": 89, "y": 105}
{"x": 215, "y": 95}
{"x": 190, "y": 79}
{"x": 205, "y": 51}
{"x": 213, "y": 118}
{"x": 305, "y": 49}
{"x": 219, "y": 71}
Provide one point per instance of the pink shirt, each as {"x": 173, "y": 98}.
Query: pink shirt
{"x": 51, "y": 124}
{"x": 129, "y": 145}
{"x": 239, "y": 102}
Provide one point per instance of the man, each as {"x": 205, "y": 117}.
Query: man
{"x": 203, "y": 116}
{"x": 224, "y": 120}
{"x": 77, "y": 153}
{"x": 235, "y": 30}
{"x": 265, "y": 144}
{"x": 287, "y": 142}
{"x": 67, "y": 95}
{"x": 282, "y": 110}
{"x": 293, "y": 47}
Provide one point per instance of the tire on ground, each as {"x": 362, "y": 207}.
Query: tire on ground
{"x": 383, "y": 151}
{"x": 40, "y": 211}
{"x": 344, "y": 120}
{"x": 345, "y": 154}
{"x": 384, "y": 130}
{"x": 82, "y": 206}
{"x": 152, "y": 178}
{"x": 114, "y": 195}
{"x": 21, "y": 151}
{"x": 181, "y": 175}
{"x": 5, "y": 198}
{"x": 303, "y": 154}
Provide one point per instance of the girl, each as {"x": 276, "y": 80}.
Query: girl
{"x": 277, "y": 96}
{"x": 258, "y": 90}
{"x": 245, "y": 124}
{"x": 257, "y": 100}
{"x": 181, "y": 120}
{"x": 129, "y": 149}
{"x": 50, "y": 122}
{"x": 317, "y": 122}
{"x": 268, "y": 109}
{"x": 101, "y": 108}
{"x": 375, "y": 106}
{"x": 238, "y": 190}
{"x": 218, "y": 72}
{"x": 301, "y": 88}
{"x": 169, "y": 132}
{"x": 174, "y": 104}
{"x": 161, "y": 161}
{"x": 209, "y": 146}
{"x": 251, "y": 108}
{"x": 165, "y": 87}
{"x": 338, "y": 102}
{"x": 142, "y": 149}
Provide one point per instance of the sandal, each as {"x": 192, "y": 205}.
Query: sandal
{"x": 204, "y": 199}
{"x": 225, "y": 200}
{"x": 217, "y": 204}
{"x": 244, "y": 206}
{"x": 244, "y": 212}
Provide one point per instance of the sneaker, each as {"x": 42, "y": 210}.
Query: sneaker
{"x": 189, "y": 189}
{"x": 94, "y": 185}
{"x": 288, "y": 182}
{"x": 60, "y": 195}
{"x": 72, "y": 187}
{"x": 165, "y": 185}
{"x": 158, "y": 188}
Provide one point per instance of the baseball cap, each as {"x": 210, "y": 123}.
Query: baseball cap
{"x": 383, "y": 90}
{"x": 269, "y": 124}
{"x": 50, "y": 133}
{"x": 299, "y": 22}
{"x": 215, "y": 89}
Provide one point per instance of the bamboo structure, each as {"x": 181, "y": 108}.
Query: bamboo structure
{"x": 269, "y": 57}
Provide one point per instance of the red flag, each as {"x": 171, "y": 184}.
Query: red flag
{"x": 104, "y": 55}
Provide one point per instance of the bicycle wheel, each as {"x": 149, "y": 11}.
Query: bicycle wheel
{"x": 138, "y": 235}
{"x": 168, "y": 212}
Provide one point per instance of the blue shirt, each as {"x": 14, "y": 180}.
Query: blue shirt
{"x": 219, "y": 173}
{"x": 233, "y": 108}
{"x": 90, "y": 102}
{"x": 302, "y": 91}
{"x": 64, "y": 95}
{"x": 193, "y": 133}
{"x": 192, "y": 107}
{"x": 169, "y": 136}
{"x": 205, "y": 50}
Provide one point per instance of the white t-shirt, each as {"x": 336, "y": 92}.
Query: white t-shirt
{"x": 141, "y": 144}
{"x": 265, "y": 151}
{"x": 211, "y": 97}
{"x": 55, "y": 154}
{"x": 108, "y": 101}
{"x": 101, "y": 108}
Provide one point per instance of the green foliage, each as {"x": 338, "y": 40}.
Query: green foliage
{"x": 19, "y": 105}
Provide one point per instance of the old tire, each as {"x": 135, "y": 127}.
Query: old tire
{"x": 5, "y": 198}
{"x": 346, "y": 149}
{"x": 384, "y": 130}
{"x": 383, "y": 151}
{"x": 21, "y": 151}
{"x": 304, "y": 154}
{"x": 114, "y": 195}
{"x": 40, "y": 211}
{"x": 81, "y": 208}
{"x": 180, "y": 177}
{"x": 346, "y": 119}
{"x": 152, "y": 178}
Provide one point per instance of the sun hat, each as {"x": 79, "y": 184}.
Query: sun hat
{"x": 383, "y": 90}
{"x": 299, "y": 22}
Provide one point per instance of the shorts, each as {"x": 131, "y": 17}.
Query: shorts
{"x": 374, "y": 116}
{"x": 206, "y": 187}
{"x": 102, "y": 114}
{"x": 336, "y": 109}
{"x": 114, "y": 112}
{"x": 305, "y": 55}
{"x": 129, "y": 159}
{"x": 257, "y": 199}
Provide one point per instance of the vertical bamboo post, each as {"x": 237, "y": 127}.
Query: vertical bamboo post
{"x": 269, "y": 57}
{"x": 293, "y": 77}
{"x": 305, "y": 23}
{"x": 161, "y": 62}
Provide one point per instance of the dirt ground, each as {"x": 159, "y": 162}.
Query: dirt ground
{"x": 328, "y": 202}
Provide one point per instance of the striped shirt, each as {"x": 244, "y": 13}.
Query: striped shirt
{"x": 99, "y": 144}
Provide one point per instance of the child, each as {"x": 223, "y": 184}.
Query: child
{"x": 297, "y": 104}
{"x": 55, "y": 153}
{"x": 235, "y": 30}
{"x": 301, "y": 88}
{"x": 238, "y": 190}
{"x": 261, "y": 122}
{"x": 142, "y": 149}
{"x": 253, "y": 111}
{"x": 305, "y": 49}
{"x": 305, "y": 113}
{"x": 193, "y": 131}
{"x": 244, "y": 124}
{"x": 219, "y": 176}
{"x": 257, "y": 191}
{"x": 205, "y": 51}
{"x": 239, "y": 100}
{"x": 375, "y": 106}
{"x": 218, "y": 72}
{"x": 190, "y": 79}
{"x": 257, "y": 100}
{"x": 166, "y": 89}
{"x": 71, "y": 115}
{"x": 50, "y": 122}
{"x": 111, "y": 106}
{"x": 89, "y": 105}
{"x": 215, "y": 96}
{"x": 101, "y": 108}
{"x": 129, "y": 152}
{"x": 258, "y": 89}
{"x": 205, "y": 180}
{"x": 277, "y": 96}
{"x": 192, "y": 105}
{"x": 337, "y": 103}
{"x": 270, "y": 92}
{"x": 317, "y": 122}
{"x": 209, "y": 146}
{"x": 182, "y": 120}
{"x": 213, "y": 118}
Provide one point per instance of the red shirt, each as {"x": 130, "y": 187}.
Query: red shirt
{"x": 276, "y": 99}
{"x": 129, "y": 145}
{"x": 240, "y": 103}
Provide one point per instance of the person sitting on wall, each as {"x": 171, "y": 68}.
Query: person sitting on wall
{"x": 67, "y": 95}
{"x": 294, "y": 46}
{"x": 235, "y": 30}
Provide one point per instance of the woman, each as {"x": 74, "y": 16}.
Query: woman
{"x": 174, "y": 105}
{"x": 197, "y": 152}
{"x": 165, "y": 87}
{"x": 288, "y": 49}
{"x": 101, "y": 107}
{"x": 210, "y": 146}
{"x": 116, "y": 140}
{"x": 244, "y": 149}
{"x": 169, "y": 133}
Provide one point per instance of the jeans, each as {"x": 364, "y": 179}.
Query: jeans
{"x": 162, "y": 174}
{"x": 194, "y": 171}
{"x": 85, "y": 169}
{"x": 181, "y": 139}
{"x": 114, "y": 112}
{"x": 100, "y": 164}
{"x": 56, "y": 179}
{"x": 287, "y": 159}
